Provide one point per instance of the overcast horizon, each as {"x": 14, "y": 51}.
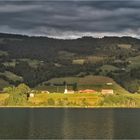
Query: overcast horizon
{"x": 70, "y": 19}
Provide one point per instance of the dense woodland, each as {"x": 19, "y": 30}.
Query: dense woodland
{"x": 33, "y": 60}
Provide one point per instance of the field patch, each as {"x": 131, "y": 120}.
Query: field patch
{"x": 78, "y": 61}
{"x": 32, "y": 62}
{"x": 134, "y": 62}
{"x": 95, "y": 59}
{"x": 11, "y": 63}
{"x": 125, "y": 46}
{"x": 3, "y": 53}
{"x": 3, "y": 98}
{"x": 11, "y": 76}
{"x": 65, "y": 55}
{"x": 71, "y": 100}
{"x": 106, "y": 69}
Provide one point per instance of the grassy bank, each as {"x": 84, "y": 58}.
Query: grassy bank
{"x": 85, "y": 100}
{"x": 62, "y": 100}
{"x": 78, "y": 100}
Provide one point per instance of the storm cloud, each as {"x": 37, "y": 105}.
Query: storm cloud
{"x": 70, "y": 19}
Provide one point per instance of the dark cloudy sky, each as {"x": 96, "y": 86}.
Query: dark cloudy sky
{"x": 70, "y": 19}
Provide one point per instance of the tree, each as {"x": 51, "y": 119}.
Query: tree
{"x": 132, "y": 86}
{"x": 8, "y": 89}
{"x": 18, "y": 95}
{"x": 23, "y": 89}
{"x": 51, "y": 101}
{"x": 17, "y": 99}
{"x": 75, "y": 87}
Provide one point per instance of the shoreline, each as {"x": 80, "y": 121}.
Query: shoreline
{"x": 70, "y": 107}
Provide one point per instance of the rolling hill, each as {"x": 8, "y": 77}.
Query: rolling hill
{"x": 88, "y": 82}
{"x": 39, "y": 59}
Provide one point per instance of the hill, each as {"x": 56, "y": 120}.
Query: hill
{"x": 39, "y": 59}
{"x": 88, "y": 82}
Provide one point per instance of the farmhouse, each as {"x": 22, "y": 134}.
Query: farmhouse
{"x": 107, "y": 91}
{"x": 31, "y": 95}
{"x": 87, "y": 91}
{"x": 45, "y": 91}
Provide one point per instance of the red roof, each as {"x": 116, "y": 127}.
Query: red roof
{"x": 87, "y": 91}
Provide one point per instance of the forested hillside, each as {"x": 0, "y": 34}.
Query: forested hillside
{"x": 34, "y": 60}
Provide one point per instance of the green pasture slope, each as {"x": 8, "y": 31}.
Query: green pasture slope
{"x": 87, "y": 82}
{"x": 134, "y": 62}
{"x": 11, "y": 76}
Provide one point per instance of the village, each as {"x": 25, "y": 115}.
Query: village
{"x": 107, "y": 94}
{"x": 90, "y": 91}
{"x": 83, "y": 91}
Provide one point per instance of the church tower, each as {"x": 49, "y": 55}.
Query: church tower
{"x": 66, "y": 89}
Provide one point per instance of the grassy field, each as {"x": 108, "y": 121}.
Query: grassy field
{"x": 32, "y": 62}
{"x": 78, "y": 61}
{"x": 108, "y": 68}
{"x": 89, "y": 59}
{"x": 3, "y": 97}
{"x": 125, "y": 46}
{"x": 59, "y": 99}
{"x": 87, "y": 80}
{"x": 65, "y": 55}
{"x": 78, "y": 100}
{"x": 134, "y": 62}
{"x": 3, "y": 53}
{"x": 125, "y": 100}
{"x": 95, "y": 59}
{"x": 10, "y": 64}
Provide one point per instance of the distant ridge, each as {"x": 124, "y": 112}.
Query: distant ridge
{"x": 7, "y": 35}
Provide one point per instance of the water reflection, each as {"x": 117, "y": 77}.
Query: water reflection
{"x": 70, "y": 123}
{"x": 13, "y": 123}
{"x": 88, "y": 124}
{"x": 31, "y": 123}
{"x": 127, "y": 123}
{"x": 45, "y": 123}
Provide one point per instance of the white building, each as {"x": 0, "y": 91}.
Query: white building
{"x": 66, "y": 91}
{"x": 107, "y": 91}
{"x": 32, "y": 95}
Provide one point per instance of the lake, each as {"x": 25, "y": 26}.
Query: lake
{"x": 69, "y": 123}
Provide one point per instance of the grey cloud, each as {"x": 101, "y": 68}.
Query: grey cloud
{"x": 69, "y": 19}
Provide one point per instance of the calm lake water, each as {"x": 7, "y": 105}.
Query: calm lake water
{"x": 70, "y": 123}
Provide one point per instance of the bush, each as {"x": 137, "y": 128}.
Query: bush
{"x": 18, "y": 95}
{"x": 17, "y": 99}
{"x": 51, "y": 101}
